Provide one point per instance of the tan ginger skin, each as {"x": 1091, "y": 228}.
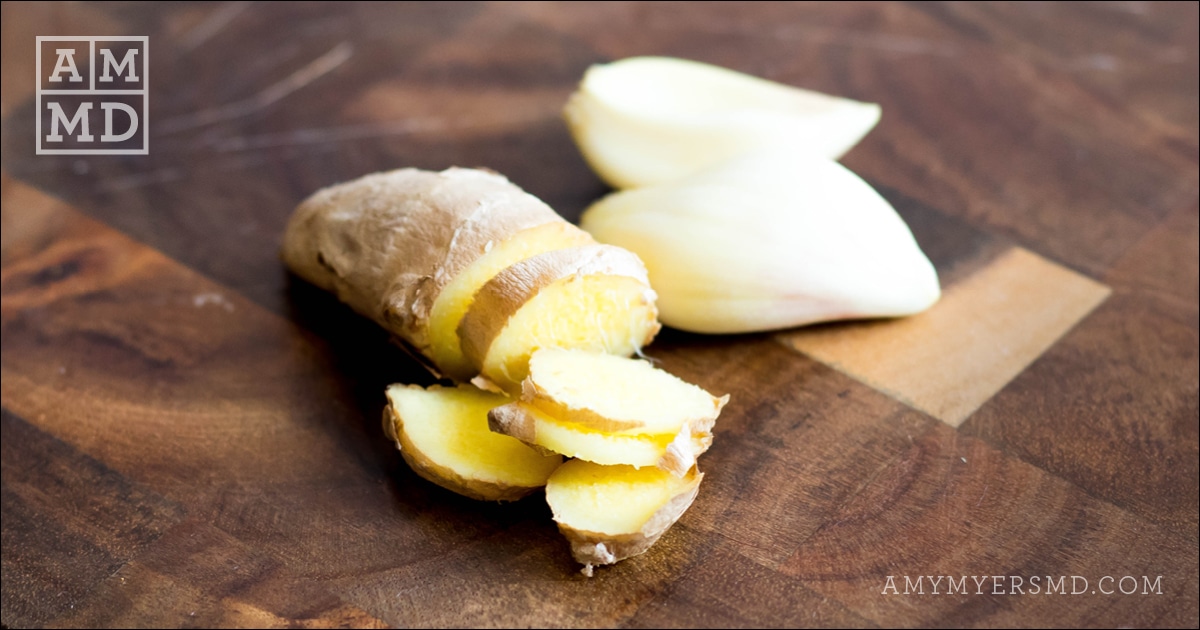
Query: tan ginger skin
{"x": 387, "y": 243}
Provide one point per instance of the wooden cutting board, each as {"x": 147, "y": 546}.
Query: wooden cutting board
{"x": 191, "y": 437}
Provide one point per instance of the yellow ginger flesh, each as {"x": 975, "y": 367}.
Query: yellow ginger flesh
{"x": 611, "y": 500}
{"x": 455, "y": 298}
{"x": 615, "y": 394}
{"x": 602, "y": 313}
{"x": 443, "y": 433}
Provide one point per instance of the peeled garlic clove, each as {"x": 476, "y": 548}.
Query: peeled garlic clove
{"x": 649, "y": 120}
{"x": 771, "y": 239}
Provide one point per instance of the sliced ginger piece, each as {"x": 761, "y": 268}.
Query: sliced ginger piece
{"x": 675, "y": 453}
{"x": 456, "y": 297}
{"x": 443, "y": 434}
{"x": 609, "y": 513}
{"x": 615, "y": 394}
{"x": 594, "y": 297}
{"x": 672, "y": 453}
{"x": 609, "y": 410}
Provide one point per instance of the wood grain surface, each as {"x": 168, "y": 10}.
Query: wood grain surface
{"x": 191, "y": 436}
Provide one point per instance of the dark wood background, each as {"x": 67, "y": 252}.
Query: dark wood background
{"x": 191, "y": 438}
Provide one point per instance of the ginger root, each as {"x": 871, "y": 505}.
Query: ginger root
{"x": 483, "y": 279}
{"x": 414, "y": 250}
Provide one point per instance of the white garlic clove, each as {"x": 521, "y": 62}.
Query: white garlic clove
{"x": 648, "y": 120}
{"x": 771, "y": 239}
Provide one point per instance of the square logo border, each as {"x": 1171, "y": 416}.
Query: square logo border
{"x": 144, "y": 91}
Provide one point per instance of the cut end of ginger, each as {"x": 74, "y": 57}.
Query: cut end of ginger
{"x": 609, "y": 513}
{"x": 615, "y": 394}
{"x": 593, "y": 298}
{"x": 456, "y": 297}
{"x": 600, "y": 313}
{"x": 443, "y": 434}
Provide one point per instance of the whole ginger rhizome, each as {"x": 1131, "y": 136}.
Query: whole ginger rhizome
{"x": 534, "y": 322}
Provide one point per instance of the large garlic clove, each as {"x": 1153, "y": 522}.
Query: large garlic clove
{"x": 771, "y": 239}
{"x": 649, "y": 120}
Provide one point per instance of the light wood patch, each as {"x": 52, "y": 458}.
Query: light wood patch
{"x": 984, "y": 331}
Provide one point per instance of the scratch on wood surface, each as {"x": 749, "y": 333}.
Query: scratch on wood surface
{"x": 217, "y": 21}
{"x": 317, "y": 135}
{"x": 274, "y": 93}
{"x": 819, "y": 35}
{"x": 138, "y": 180}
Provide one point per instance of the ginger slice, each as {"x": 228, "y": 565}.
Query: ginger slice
{"x": 456, "y": 297}
{"x": 673, "y": 453}
{"x": 609, "y": 513}
{"x": 443, "y": 434}
{"x": 615, "y": 394}
{"x": 594, "y": 297}
{"x": 610, "y": 410}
